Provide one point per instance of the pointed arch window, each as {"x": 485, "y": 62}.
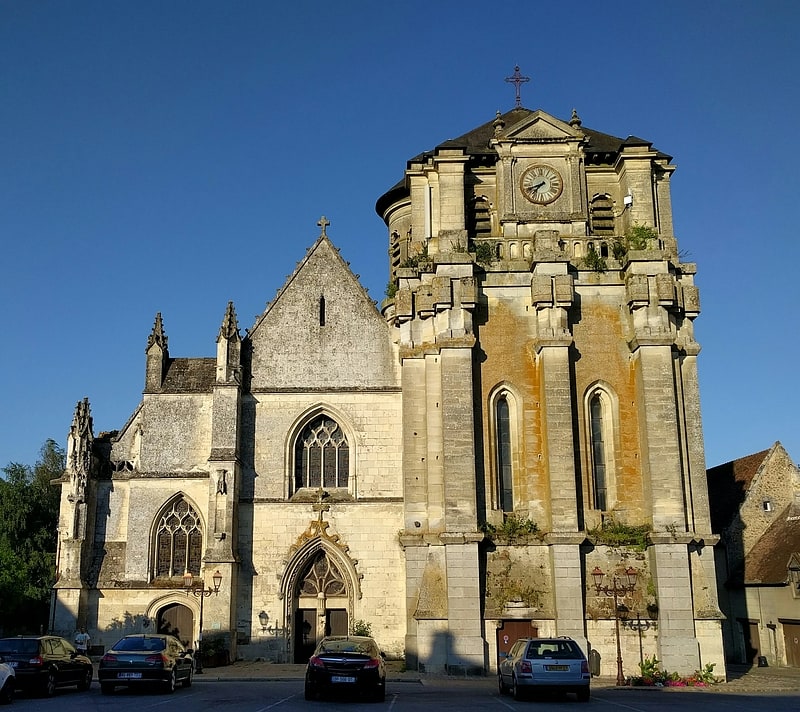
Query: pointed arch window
{"x": 505, "y": 477}
{"x": 600, "y": 409}
{"x": 179, "y": 541}
{"x": 322, "y": 455}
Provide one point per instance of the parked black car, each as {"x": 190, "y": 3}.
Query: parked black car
{"x": 346, "y": 664}
{"x": 141, "y": 659}
{"x": 43, "y": 663}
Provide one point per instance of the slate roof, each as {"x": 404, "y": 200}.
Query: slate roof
{"x": 189, "y": 375}
{"x": 476, "y": 142}
{"x": 728, "y": 485}
{"x": 601, "y": 147}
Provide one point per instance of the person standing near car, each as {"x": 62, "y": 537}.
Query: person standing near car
{"x": 82, "y": 641}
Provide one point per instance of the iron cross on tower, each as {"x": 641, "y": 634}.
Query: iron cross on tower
{"x": 516, "y": 79}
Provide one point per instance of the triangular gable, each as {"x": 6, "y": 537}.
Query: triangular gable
{"x": 540, "y": 125}
{"x": 324, "y": 243}
{"x": 322, "y": 330}
{"x": 768, "y": 562}
{"x": 728, "y": 486}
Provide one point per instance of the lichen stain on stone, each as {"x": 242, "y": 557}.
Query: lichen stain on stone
{"x": 505, "y": 341}
{"x": 605, "y": 357}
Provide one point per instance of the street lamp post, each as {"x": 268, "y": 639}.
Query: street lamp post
{"x": 617, "y": 588}
{"x": 202, "y": 593}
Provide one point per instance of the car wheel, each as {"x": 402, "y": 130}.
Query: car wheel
{"x": 188, "y": 681}
{"x": 49, "y": 687}
{"x": 86, "y": 681}
{"x": 501, "y": 686}
{"x": 516, "y": 692}
{"x": 106, "y": 688}
{"x": 7, "y": 693}
{"x": 309, "y": 692}
{"x": 170, "y": 684}
{"x": 583, "y": 695}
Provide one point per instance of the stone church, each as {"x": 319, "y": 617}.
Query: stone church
{"x": 511, "y": 444}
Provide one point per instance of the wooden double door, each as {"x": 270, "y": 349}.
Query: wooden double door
{"x": 310, "y": 627}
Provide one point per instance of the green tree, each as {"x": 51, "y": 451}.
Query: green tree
{"x": 28, "y": 522}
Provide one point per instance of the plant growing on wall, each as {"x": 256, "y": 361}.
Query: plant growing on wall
{"x": 594, "y": 261}
{"x": 509, "y": 580}
{"x": 391, "y": 289}
{"x": 485, "y": 252}
{"x": 637, "y": 237}
{"x": 614, "y": 533}
{"x": 514, "y": 529}
{"x": 419, "y": 259}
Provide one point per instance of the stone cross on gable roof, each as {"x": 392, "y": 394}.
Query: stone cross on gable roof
{"x": 516, "y": 79}
{"x": 323, "y": 222}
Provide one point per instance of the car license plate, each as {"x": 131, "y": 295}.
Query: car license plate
{"x": 342, "y": 678}
{"x": 128, "y": 675}
{"x": 557, "y": 668}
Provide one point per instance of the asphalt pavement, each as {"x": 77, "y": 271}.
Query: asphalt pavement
{"x": 740, "y": 678}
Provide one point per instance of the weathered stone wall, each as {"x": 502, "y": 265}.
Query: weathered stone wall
{"x": 178, "y": 433}
{"x": 370, "y": 420}
{"x": 301, "y": 343}
{"x": 365, "y": 533}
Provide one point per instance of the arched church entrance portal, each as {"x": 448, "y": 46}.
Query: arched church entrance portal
{"x": 322, "y": 606}
{"x": 178, "y": 620}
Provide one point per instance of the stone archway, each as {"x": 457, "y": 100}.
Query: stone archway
{"x": 319, "y": 586}
{"x": 173, "y": 612}
{"x": 322, "y": 605}
{"x": 178, "y": 620}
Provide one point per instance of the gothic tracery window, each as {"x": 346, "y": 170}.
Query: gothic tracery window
{"x": 322, "y": 456}
{"x": 323, "y": 576}
{"x": 179, "y": 541}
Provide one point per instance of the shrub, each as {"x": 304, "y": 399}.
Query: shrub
{"x": 613, "y": 533}
{"x": 485, "y": 252}
{"x": 514, "y": 528}
{"x": 594, "y": 261}
{"x": 361, "y": 627}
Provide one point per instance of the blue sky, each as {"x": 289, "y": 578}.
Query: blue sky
{"x": 173, "y": 155}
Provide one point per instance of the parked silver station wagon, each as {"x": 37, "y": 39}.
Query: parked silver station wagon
{"x": 555, "y": 665}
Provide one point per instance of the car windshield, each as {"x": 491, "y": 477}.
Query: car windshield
{"x": 553, "y": 649}
{"x": 150, "y": 644}
{"x": 24, "y": 646}
{"x": 362, "y": 647}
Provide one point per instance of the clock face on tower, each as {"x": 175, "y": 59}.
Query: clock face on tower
{"x": 541, "y": 184}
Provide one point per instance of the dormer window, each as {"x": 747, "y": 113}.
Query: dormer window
{"x": 766, "y": 505}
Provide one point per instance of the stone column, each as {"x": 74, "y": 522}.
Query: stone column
{"x": 467, "y": 648}
{"x": 662, "y": 470}
{"x": 568, "y": 586}
{"x": 678, "y": 648}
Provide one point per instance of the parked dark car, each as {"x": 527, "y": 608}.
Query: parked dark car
{"x": 8, "y": 682}
{"x": 346, "y": 664}
{"x": 555, "y": 665}
{"x": 146, "y": 659}
{"x": 43, "y": 663}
